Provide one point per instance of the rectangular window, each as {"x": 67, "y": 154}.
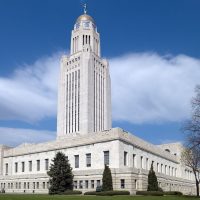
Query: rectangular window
{"x": 86, "y": 184}
{"x": 106, "y": 158}
{"x": 47, "y": 185}
{"x": 19, "y": 185}
{"x": 147, "y": 163}
{"x": 134, "y": 163}
{"x": 157, "y": 167}
{"x": 30, "y": 166}
{"x": 75, "y": 184}
{"x": 161, "y": 170}
{"x": 46, "y": 164}
{"x": 24, "y": 185}
{"x": 125, "y": 158}
{"x": 28, "y": 185}
{"x": 43, "y": 185}
{"x": 88, "y": 159}
{"x": 92, "y": 183}
{"x": 76, "y": 161}
{"x": 38, "y": 185}
{"x": 81, "y": 184}
{"x": 98, "y": 183}
{"x": 16, "y": 167}
{"x": 38, "y": 165}
{"x": 141, "y": 162}
{"x": 136, "y": 185}
{"x": 23, "y": 166}
{"x": 6, "y": 168}
{"x": 122, "y": 183}
{"x": 33, "y": 185}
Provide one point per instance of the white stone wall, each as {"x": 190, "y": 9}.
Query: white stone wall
{"x": 116, "y": 141}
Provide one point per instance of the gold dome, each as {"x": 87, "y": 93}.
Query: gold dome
{"x": 85, "y": 17}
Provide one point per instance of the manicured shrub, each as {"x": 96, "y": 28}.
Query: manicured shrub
{"x": 173, "y": 193}
{"x": 108, "y": 193}
{"x": 72, "y": 192}
{"x": 91, "y": 193}
{"x": 152, "y": 180}
{"x": 160, "y": 189}
{"x": 107, "y": 179}
{"x": 150, "y": 193}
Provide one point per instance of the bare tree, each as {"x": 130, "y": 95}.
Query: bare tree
{"x": 192, "y": 126}
{"x": 191, "y": 158}
{"x": 191, "y": 154}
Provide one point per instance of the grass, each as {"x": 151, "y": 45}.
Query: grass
{"x": 66, "y": 197}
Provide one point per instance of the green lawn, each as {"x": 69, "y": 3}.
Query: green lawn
{"x": 62, "y": 197}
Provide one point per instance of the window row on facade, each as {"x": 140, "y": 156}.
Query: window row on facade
{"x": 25, "y": 185}
{"x": 144, "y": 163}
{"x": 73, "y": 60}
{"x": 23, "y": 166}
{"x": 73, "y": 102}
{"x": 99, "y": 92}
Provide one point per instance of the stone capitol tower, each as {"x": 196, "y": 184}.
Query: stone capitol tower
{"x": 84, "y": 99}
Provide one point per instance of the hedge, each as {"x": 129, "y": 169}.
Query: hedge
{"x": 173, "y": 193}
{"x": 150, "y": 193}
{"x": 71, "y": 192}
{"x": 90, "y": 193}
{"x": 108, "y": 193}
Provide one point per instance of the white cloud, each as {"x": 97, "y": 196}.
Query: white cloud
{"x": 30, "y": 94}
{"x": 146, "y": 88}
{"x": 14, "y": 136}
{"x": 149, "y": 88}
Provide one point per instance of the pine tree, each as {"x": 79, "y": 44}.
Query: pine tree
{"x": 107, "y": 179}
{"x": 61, "y": 176}
{"x": 152, "y": 180}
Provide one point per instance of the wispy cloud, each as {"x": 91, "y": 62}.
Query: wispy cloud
{"x": 30, "y": 93}
{"x": 146, "y": 88}
{"x": 15, "y": 136}
{"x": 149, "y": 88}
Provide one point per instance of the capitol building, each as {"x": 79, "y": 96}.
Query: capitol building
{"x": 85, "y": 134}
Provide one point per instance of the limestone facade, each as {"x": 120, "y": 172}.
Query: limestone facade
{"x": 128, "y": 156}
{"x": 85, "y": 135}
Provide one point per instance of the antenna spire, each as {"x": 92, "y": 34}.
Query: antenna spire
{"x": 85, "y": 8}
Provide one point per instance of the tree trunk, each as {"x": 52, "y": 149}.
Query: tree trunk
{"x": 197, "y": 186}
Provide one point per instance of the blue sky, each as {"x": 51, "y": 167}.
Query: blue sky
{"x": 153, "y": 49}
